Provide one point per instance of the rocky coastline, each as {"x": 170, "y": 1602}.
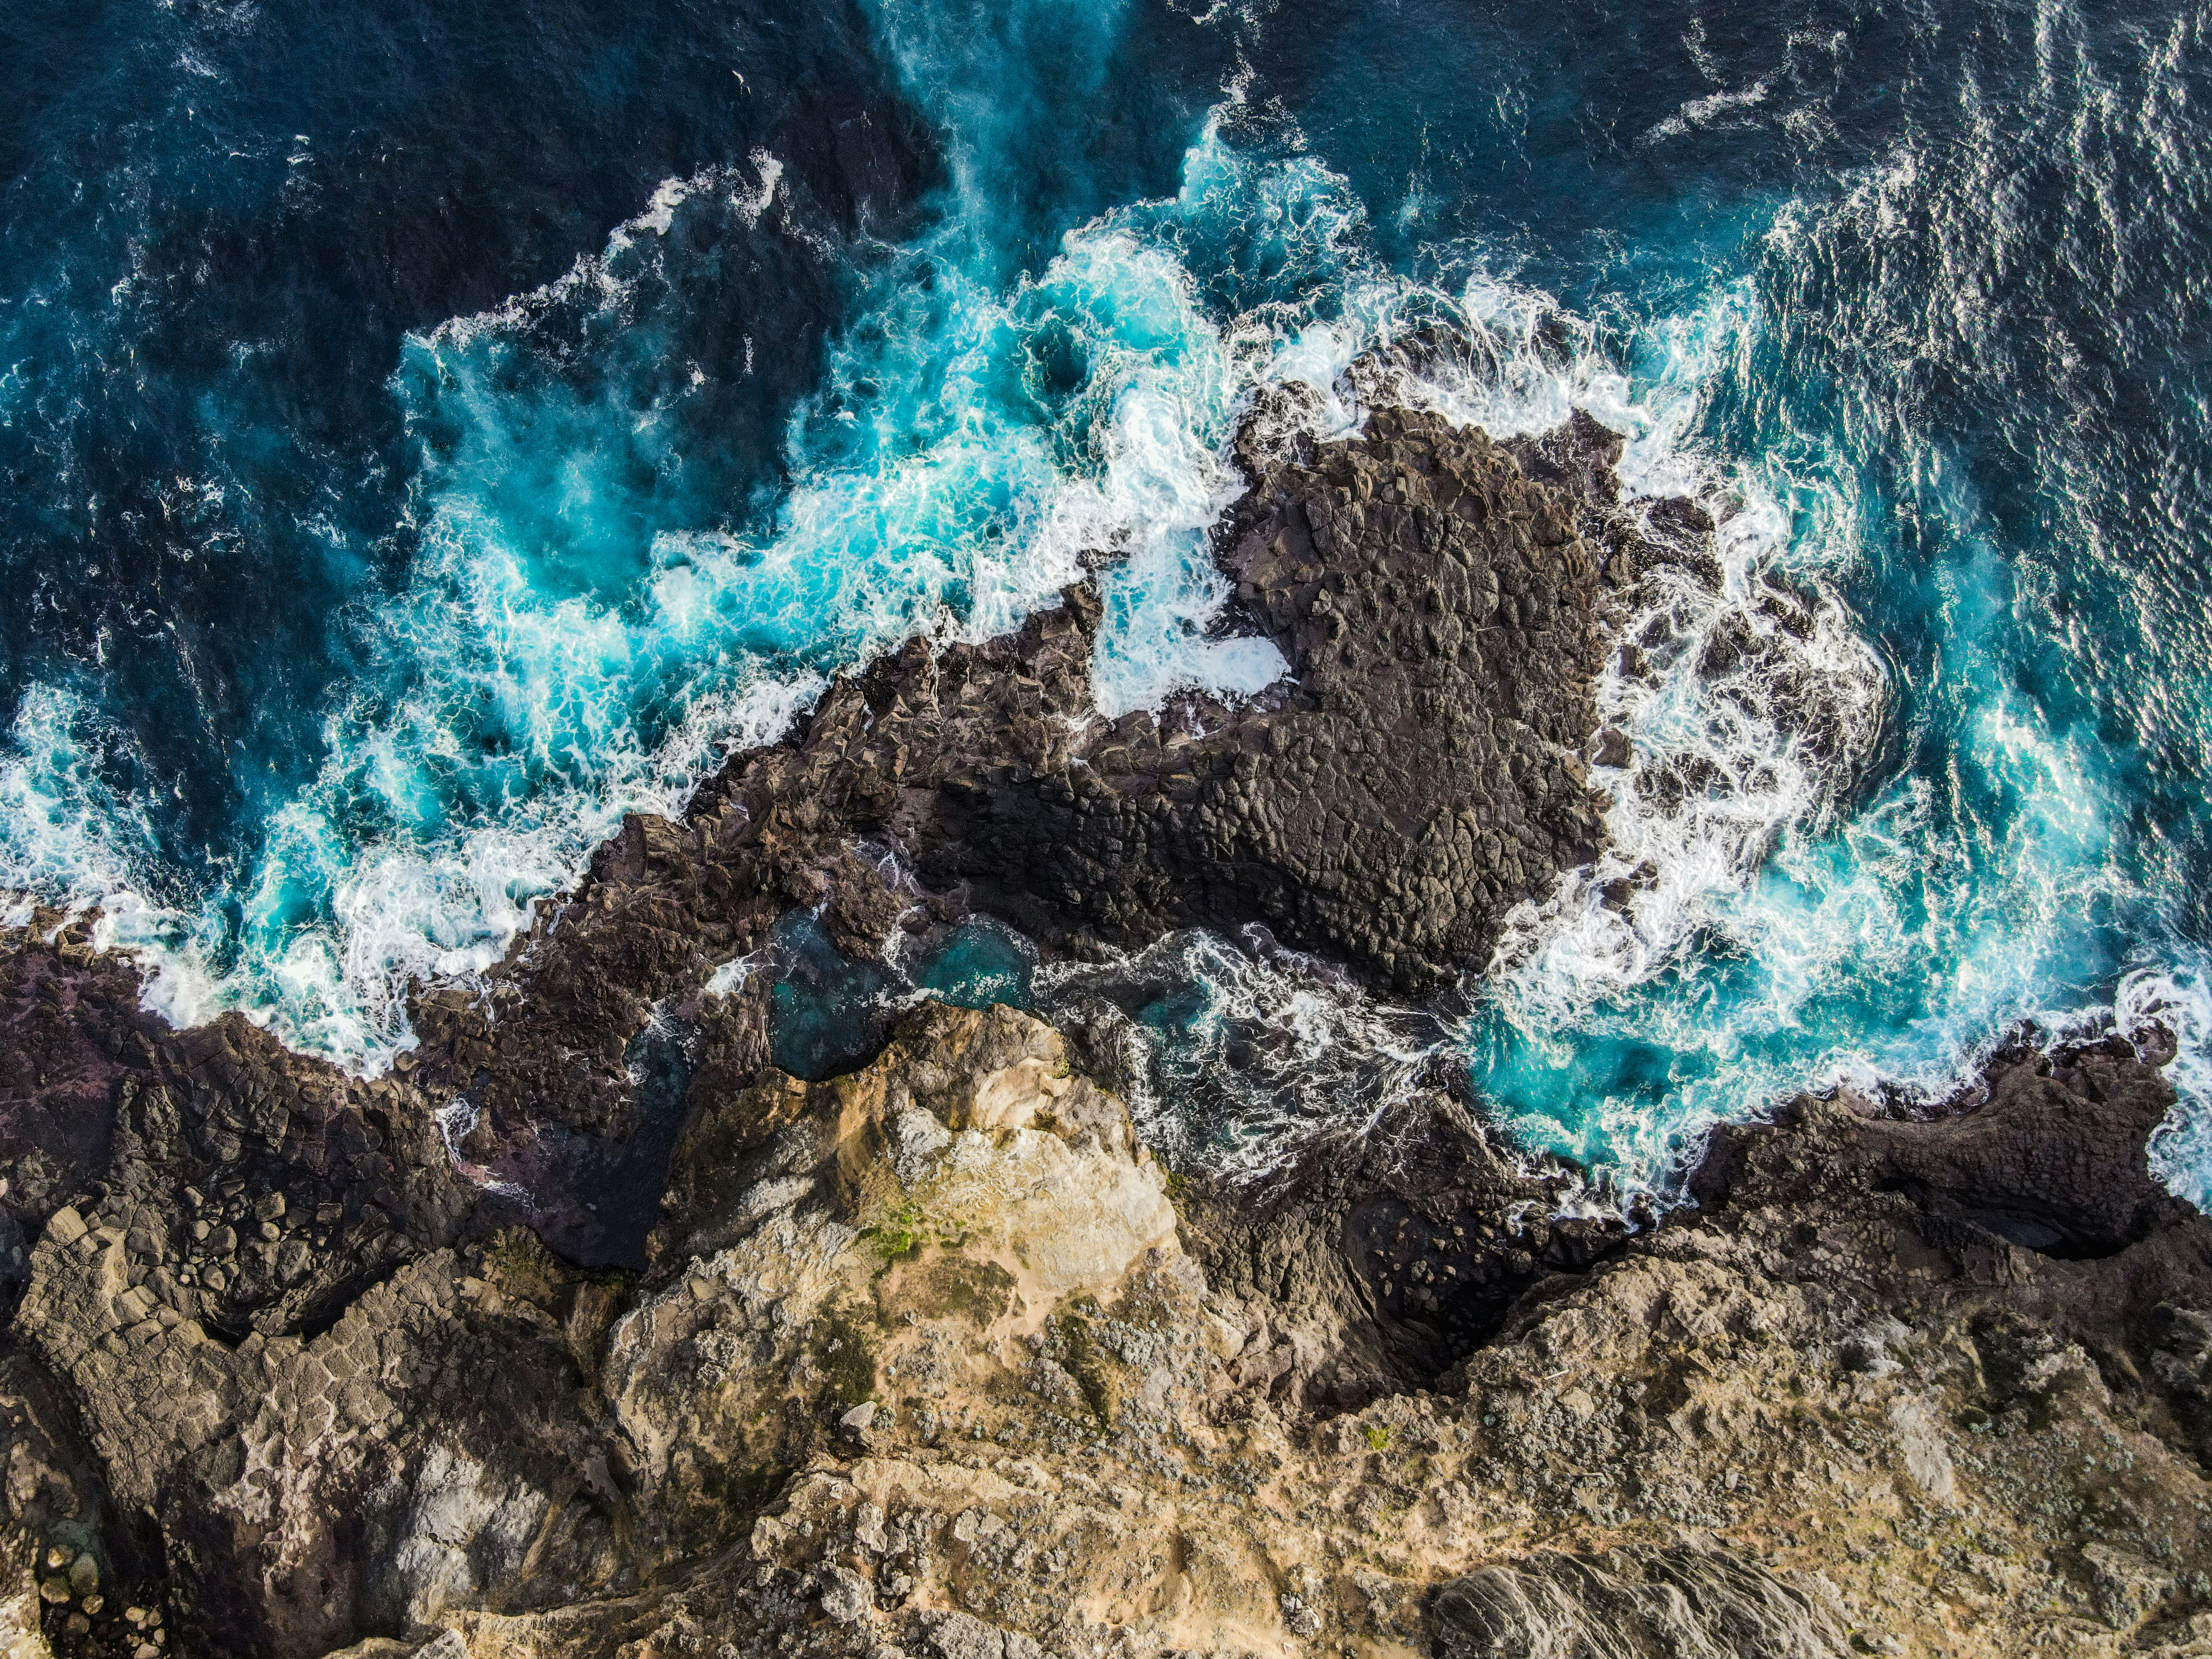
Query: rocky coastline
{"x": 533, "y": 1345}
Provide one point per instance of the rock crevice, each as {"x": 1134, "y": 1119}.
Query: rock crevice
{"x": 926, "y": 1353}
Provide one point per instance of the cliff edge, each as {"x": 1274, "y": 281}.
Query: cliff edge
{"x": 536, "y": 1346}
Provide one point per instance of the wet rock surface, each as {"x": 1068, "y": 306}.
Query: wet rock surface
{"x": 589, "y": 1331}
{"x": 1419, "y": 773}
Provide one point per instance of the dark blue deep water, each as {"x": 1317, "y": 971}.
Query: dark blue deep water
{"x": 428, "y": 432}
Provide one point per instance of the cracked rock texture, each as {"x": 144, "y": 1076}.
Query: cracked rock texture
{"x": 931, "y": 1358}
{"x": 924, "y": 1365}
{"x": 1419, "y": 773}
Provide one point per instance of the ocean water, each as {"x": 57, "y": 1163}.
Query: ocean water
{"x": 427, "y": 434}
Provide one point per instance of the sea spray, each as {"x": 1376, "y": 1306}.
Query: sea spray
{"x": 1914, "y": 324}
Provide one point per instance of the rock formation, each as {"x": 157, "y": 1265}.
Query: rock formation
{"x": 926, "y": 1356}
{"x": 1419, "y": 775}
{"x": 925, "y": 1363}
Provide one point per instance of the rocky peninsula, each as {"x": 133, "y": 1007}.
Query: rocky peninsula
{"x": 532, "y": 1347}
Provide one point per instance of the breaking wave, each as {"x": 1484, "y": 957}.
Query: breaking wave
{"x": 1914, "y": 761}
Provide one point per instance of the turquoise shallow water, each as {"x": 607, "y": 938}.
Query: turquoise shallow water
{"x": 430, "y": 435}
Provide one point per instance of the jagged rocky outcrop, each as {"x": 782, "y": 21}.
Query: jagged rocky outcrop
{"x": 1380, "y": 1265}
{"x": 931, "y": 1358}
{"x": 256, "y": 1187}
{"x": 1419, "y": 773}
{"x": 1417, "y": 776}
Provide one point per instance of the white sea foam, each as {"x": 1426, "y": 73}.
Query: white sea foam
{"x": 1750, "y": 930}
{"x": 1697, "y": 113}
{"x": 1264, "y": 1052}
{"x": 457, "y": 1121}
{"x": 69, "y": 833}
{"x": 729, "y": 978}
{"x": 1723, "y": 763}
{"x": 2177, "y": 998}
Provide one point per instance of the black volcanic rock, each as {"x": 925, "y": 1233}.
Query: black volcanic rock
{"x": 2048, "y": 1155}
{"x": 255, "y": 1185}
{"x": 1417, "y": 776}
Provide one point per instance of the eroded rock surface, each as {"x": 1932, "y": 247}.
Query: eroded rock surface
{"x": 1419, "y": 773}
{"x": 924, "y": 1363}
{"x": 931, "y": 1359}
